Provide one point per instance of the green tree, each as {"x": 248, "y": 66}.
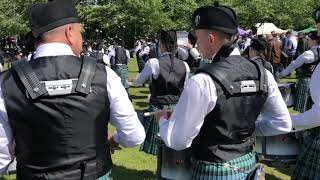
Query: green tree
{"x": 131, "y": 19}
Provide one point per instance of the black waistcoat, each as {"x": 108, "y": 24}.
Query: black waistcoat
{"x": 267, "y": 65}
{"x": 97, "y": 55}
{"x": 306, "y": 70}
{"x": 59, "y": 137}
{"x": 121, "y": 56}
{"x": 227, "y": 132}
{"x": 167, "y": 88}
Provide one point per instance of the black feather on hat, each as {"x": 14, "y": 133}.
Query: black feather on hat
{"x": 44, "y": 17}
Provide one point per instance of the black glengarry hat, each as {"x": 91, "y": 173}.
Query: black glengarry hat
{"x": 169, "y": 37}
{"x": 258, "y": 44}
{"x": 219, "y": 18}
{"x": 313, "y": 35}
{"x": 44, "y": 17}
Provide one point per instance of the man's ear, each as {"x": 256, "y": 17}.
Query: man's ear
{"x": 69, "y": 34}
{"x": 212, "y": 39}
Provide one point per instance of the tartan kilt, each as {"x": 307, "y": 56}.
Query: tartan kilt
{"x": 302, "y": 95}
{"x": 106, "y": 177}
{"x": 216, "y": 171}
{"x": 141, "y": 64}
{"x": 122, "y": 72}
{"x": 308, "y": 163}
{"x": 150, "y": 144}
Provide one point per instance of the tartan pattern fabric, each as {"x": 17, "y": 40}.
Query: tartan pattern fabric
{"x": 122, "y": 72}
{"x": 141, "y": 64}
{"x": 302, "y": 94}
{"x": 308, "y": 163}
{"x": 106, "y": 177}
{"x": 150, "y": 144}
{"x": 217, "y": 171}
{"x": 204, "y": 62}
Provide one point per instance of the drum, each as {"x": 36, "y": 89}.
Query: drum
{"x": 173, "y": 164}
{"x": 284, "y": 147}
{"x": 288, "y": 93}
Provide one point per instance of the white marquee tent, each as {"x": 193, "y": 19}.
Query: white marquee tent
{"x": 267, "y": 28}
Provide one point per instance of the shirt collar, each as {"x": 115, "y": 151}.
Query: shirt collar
{"x": 165, "y": 53}
{"x": 53, "y": 49}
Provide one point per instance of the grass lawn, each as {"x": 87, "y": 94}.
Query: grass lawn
{"x": 131, "y": 164}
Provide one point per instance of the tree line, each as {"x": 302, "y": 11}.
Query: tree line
{"x": 127, "y": 20}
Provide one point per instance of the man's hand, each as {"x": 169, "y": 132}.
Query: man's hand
{"x": 130, "y": 79}
{"x": 165, "y": 113}
{"x": 188, "y": 46}
{"x": 113, "y": 145}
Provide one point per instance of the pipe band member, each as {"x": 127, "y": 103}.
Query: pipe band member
{"x": 257, "y": 50}
{"x": 305, "y": 65}
{"x": 169, "y": 76}
{"x": 57, "y": 106}
{"x": 308, "y": 161}
{"x": 216, "y": 115}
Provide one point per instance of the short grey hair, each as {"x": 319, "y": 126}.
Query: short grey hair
{"x": 224, "y": 37}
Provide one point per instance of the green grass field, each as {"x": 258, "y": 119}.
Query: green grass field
{"x": 131, "y": 164}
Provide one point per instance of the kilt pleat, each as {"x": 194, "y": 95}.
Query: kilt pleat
{"x": 150, "y": 144}
{"x": 302, "y": 95}
{"x": 122, "y": 71}
{"x": 308, "y": 163}
{"x": 217, "y": 171}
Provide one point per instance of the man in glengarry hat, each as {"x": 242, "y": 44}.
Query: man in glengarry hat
{"x": 216, "y": 115}
{"x": 257, "y": 51}
{"x": 57, "y": 106}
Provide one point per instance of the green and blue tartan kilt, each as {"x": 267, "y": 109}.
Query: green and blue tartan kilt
{"x": 106, "y": 177}
{"x": 122, "y": 72}
{"x": 308, "y": 163}
{"x": 217, "y": 171}
{"x": 150, "y": 144}
{"x": 302, "y": 95}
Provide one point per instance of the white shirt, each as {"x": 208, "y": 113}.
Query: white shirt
{"x": 294, "y": 42}
{"x": 199, "y": 98}
{"x": 311, "y": 118}
{"x": 152, "y": 69}
{"x": 106, "y": 60}
{"x": 235, "y": 52}
{"x": 305, "y": 58}
{"x": 129, "y": 133}
{"x": 144, "y": 50}
{"x": 182, "y": 53}
{"x": 246, "y": 44}
{"x": 112, "y": 53}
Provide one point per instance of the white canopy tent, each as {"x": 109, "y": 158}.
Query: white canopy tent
{"x": 267, "y": 28}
